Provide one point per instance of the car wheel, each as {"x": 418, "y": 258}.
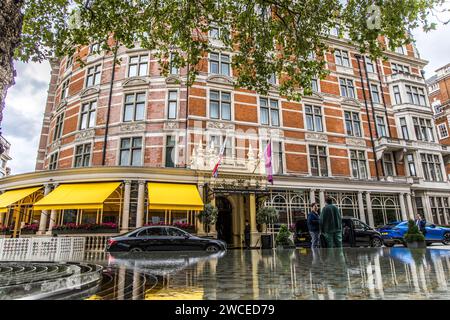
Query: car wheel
{"x": 212, "y": 248}
{"x": 446, "y": 240}
{"x": 376, "y": 242}
{"x": 136, "y": 249}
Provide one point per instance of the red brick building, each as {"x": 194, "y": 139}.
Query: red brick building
{"x": 366, "y": 137}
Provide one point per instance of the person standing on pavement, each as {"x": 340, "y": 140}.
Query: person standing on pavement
{"x": 331, "y": 224}
{"x": 314, "y": 225}
{"x": 247, "y": 234}
{"x": 421, "y": 223}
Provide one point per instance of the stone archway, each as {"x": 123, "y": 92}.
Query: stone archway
{"x": 224, "y": 224}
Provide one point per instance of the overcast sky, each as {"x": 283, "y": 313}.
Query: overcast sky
{"x": 25, "y": 102}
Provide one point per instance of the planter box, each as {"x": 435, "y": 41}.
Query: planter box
{"x": 266, "y": 241}
{"x": 416, "y": 244}
{"x": 78, "y": 231}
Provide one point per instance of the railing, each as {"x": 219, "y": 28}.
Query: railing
{"x": 42, "y": 249}
{"x": 405, "y": 76}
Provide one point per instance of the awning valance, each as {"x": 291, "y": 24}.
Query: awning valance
{"x": 77, "y": 196}
{"x": 12, "y": 196}
{"x": 172, "y": 196}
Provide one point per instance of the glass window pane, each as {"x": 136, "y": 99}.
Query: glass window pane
{"x": 136, "y": 161}
{"x": 124, "y": 157}
{"x": 128, "y": 113}
{"x": 214, "y": 109}
{"x": 264, "y": 116}
{"x": 226, "y": 111}
{"x": 140, "y": 110}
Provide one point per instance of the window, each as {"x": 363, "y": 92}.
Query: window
{"x": 400, "y": 50}
{"x": 220, "y": 105}
{"x": 423, "y": 129}
{"x": 217, "y": 141}
{"x": 172, "y": 104}
{"x": 404, "y": 129}
{"x": 172, "y": 68}
{"x": 431, "y": 166}
{"x": 170, "y": 151}
{"x": 359, "y": 164}
{"x": 443, "y": 132}
{"x": 397, "y": 95}
{"x": 399, "y": 68}
{"x": 131, "y": 151}
{"x": 313, "y": 118}
{"x": 375, "y": 93}
{"x": 342, "y": 58}
{"x": 277, "y": 156}
{"x": 87, "y": 118}
{"x": 381, "y": 127}
{"x": 82, "y": 155}
{"x": 94, "y": 48}
{"x": 318, "y": 161}
{"x": 93, "y": 76}
{"x": 352, "y": 124}
{"x": 347, "y": 88}
{"x": 272, "y": 79}
{"x": 440, "y": 210}
{"x": 134, "y": 107}
{"x": 388, "y": 164}
{"x": 65, "y": 89}
{"x": 69, "y": 62}
{"x": 58, "y": 126}
{"x": 216, "y": 33}
{"x": 411, "y": 165}
{"x": 370, "y": 65}
{"x": 219, "y": 63}
{"x": 315, "y": 85}
{"x": 416, "y": 95}
{"x": 138, "y": 66}
{"x": 53, "y": 164}
{"x": 270, "y": 114}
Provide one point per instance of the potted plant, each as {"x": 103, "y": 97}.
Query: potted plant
{"x": 284, "y": 238}
{"x": 413, "y": 237}
{"x": 208, "y": 216}
{"x": 69, "y": 228}
{"x": 265, "y": 216}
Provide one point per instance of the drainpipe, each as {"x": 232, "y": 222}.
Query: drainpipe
{"x": 368, "y": 116}
{"x": 108, "y": 112}
{"x": 186, "y": 152}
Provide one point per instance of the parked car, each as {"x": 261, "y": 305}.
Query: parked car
{"x": 355, "y": 233}
{"x": 434, "y": 234}
{"x": 386, "y": 234}
{"x": 162, "y": 238}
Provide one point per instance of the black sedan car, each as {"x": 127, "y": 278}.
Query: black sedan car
{"x": 355, "y": 233}
{"x": 162, "y": 238}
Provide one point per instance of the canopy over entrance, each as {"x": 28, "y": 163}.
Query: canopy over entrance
{"x": 172, "y": 196}
{"x": 10, "y": 197}
{"x": 77, "y": 196}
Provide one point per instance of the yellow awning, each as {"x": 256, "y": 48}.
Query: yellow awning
{"x": 172, "y": 196}
{"x": 12, "y": 196}
{"x": 77, "y": 196}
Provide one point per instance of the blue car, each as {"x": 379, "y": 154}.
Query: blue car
{"x": 393, "y": 233}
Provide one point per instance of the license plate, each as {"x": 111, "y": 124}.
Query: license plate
{"x": 302, "y": 239}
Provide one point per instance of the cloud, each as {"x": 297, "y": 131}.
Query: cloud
{"x": 23, "y": 115}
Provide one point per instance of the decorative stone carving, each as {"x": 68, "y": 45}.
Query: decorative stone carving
{"x": 351, "y": 102}
{"x": 316, "y": 136}
{"x": 271, "y": 132}
{"x": 55, "y": 144}
{"x": 84, "y": 135}
{"x": 132, "y": 127}
{"x": 90, "y": 91}
{"x": 171, "y": 125}
{"x": 135, "y": 81}
{"x": 355, "y": 142}
{"x": 173, "y": 80}
{"x": 220, "y": 79}
{"x": 61, "y": 105}
{"x": 219, "y": 125}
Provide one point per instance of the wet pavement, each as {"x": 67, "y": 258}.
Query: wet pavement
{"x": 349, "y": 273}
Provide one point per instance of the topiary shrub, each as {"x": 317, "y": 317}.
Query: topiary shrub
{"x": 283, "y": 237}
{"x": 208, "y": 216}
{"x": 413, "y": 234}
{"x": 267, "y": 215}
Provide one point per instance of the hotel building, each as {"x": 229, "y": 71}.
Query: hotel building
{"x": 122, "y": 144}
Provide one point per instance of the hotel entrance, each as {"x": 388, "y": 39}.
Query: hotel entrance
{"x": 224, "y": 220}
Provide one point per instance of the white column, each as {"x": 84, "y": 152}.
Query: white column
{"x": 362, "y": 215}
{"x": 253, "y": 231}
{"x": 410, "y": 206}
{"x": 312, "y": 196}
{"x": 322, "y": 198}
{"x": 51, "y": 224}
{"x": 427, "y": 208}
{"x": 44, "y": 214}
{"x": 140, "y": 204}
{"x": 369, "y": 209}
{"x": 403, "y": 206}
{"x": 126, "y": 207}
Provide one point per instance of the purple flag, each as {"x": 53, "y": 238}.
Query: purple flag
{"x": 268, "y": 160}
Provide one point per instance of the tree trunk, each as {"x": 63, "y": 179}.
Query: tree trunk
{"x": 11, "y": 20}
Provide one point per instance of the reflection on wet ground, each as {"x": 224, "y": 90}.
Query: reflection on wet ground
{"x": 353, "y": 273}
{"x": 350, "y": 273}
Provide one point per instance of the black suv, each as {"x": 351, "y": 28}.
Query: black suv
{"x": 355, "y": 233}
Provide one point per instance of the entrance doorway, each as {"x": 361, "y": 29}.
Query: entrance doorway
{"x": 224, "y": 220}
